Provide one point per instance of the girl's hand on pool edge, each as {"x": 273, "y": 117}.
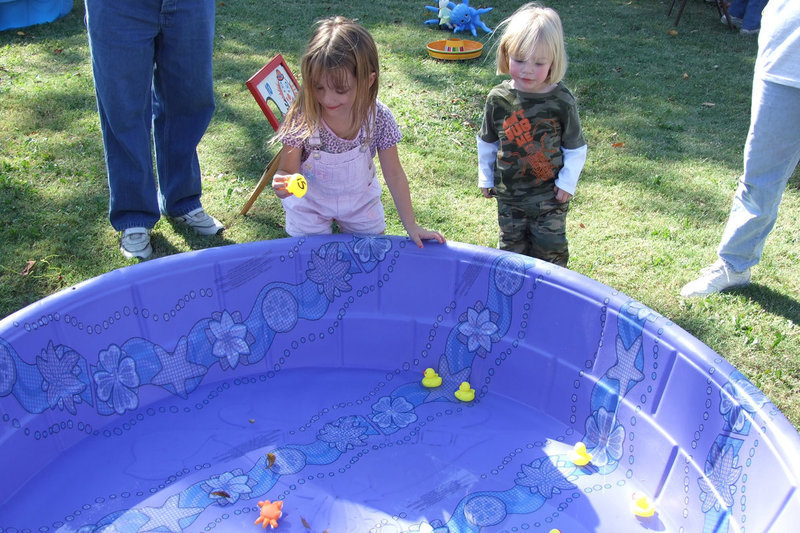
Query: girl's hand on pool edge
{"x": 419, "y": 234}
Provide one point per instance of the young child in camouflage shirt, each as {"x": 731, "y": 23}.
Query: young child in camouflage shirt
{"x": 530, "y": 147}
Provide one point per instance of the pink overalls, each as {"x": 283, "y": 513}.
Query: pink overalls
{"x": 341, "y": 187}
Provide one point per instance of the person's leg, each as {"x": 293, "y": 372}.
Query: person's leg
{"x": 751, "y": 19}
{"x": 368, "y": 219}
{"x": 183, "y": 100}
{"x": 513, "y": 222}
{"x": 305, "y": 216}
{"x": 121, "y": 37}
{"x": 737, "y": 8}
{"x": 771, "y": 153}
{"x": 548, "y": 231}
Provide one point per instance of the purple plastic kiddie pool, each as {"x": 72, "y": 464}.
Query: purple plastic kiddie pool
{"x": 177, "y": 394}
{"x": 24, "y": 13}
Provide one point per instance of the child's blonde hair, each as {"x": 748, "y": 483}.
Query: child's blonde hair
{"x": 338, "y": 46}
{"x": 533, "y": 27}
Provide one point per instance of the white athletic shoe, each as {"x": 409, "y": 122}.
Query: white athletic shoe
{"x": 714, "y": 279}
{"x": 201, "y": 222}
{"x": 135, "y": 242}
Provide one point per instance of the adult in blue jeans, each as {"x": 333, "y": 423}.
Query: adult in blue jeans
{"x": 153, "y": 80}
{"x": 771, "y": 152}
{"x": 746, "y": 15}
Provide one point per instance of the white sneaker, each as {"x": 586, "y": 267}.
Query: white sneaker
{"x": 136, "y": 243}
{"x": 736, "y": 22}
{"x": 714, "y": 279}
{"x": 201, "y": 222}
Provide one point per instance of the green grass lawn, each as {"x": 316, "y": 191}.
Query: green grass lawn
{"x": 665, "y": 115}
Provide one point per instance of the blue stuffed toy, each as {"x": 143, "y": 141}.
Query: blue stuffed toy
{"x": 459, "y": 17}
{"x": 463, "y": 17}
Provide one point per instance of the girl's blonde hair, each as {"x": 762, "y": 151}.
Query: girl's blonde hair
{"x": 533, "y": 27}
{"x": 338, "y": 46}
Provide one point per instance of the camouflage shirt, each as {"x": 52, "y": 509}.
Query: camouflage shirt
{"x": 531, "y": 129}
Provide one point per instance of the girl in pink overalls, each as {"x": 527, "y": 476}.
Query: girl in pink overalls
{"x": 331, "y": 134}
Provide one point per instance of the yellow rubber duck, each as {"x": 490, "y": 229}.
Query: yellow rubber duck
{"x": 579, "y": 456}
{"x": 464, "y": 392}
{"x": 642, "y": 506}
{"x": 431, "y": 379}
{"x": 297, "y": 185}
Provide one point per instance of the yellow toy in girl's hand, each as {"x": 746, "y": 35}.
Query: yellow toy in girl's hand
{"x": 297, "y": 185}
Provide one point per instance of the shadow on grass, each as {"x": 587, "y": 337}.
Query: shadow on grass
{"x": 60, "y": 234}
{"x": 162, "y": 247}
{"x": 771, "y": 301}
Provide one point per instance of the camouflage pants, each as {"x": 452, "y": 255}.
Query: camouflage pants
{"x": 536, "y": 227}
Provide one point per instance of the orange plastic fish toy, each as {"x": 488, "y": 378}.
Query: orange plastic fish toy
{"x": 270, "y": 512}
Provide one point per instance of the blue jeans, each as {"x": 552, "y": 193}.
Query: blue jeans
{"x": 749, "y": 11}
{"x": 153, "y": 80}
{"x": 771, "y": 153}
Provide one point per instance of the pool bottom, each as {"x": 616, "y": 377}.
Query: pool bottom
{"x": 351, "y": 451}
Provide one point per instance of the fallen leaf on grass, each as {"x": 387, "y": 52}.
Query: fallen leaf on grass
{"x": 673, "y": 32}
{"x": 28, "y": 268}
{"x": 685, "y": 76}
{"x": 708, "y": 104}
{"x": 617, "y": 145}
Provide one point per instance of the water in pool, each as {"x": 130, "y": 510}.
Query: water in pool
{"x": 202, "y": 463}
